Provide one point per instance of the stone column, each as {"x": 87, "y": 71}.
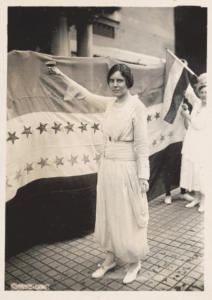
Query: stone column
{"x": 60, "y": 44}
{"x": 84, "y": 40}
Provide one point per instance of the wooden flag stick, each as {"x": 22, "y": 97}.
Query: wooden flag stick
{"x": 184, "y": 65}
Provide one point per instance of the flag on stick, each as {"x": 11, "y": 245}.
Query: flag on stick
{"x": 177, "y": 79}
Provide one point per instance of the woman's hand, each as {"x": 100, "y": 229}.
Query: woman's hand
{"x": 144, "y": 185}
{"x": 184, "y": 113}
{"x": 184, "y": 106}
{"x": 55, "y": 71}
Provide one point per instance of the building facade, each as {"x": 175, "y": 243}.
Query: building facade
{"x": 131, "y": 34}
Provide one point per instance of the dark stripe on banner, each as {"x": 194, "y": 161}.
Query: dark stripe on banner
{"x": 52, "y": 209}
{"x": 164, "y": 170}
{"x": 178, "y": 96}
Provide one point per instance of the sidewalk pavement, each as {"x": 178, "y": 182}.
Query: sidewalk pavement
{"x": 175, "y": 261}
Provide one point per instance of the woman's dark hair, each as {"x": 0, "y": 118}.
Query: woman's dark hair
{"x": 202, "y": 87}
{"x": 125, "y": 72}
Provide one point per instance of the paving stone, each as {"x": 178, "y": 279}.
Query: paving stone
{"x": 144, "y": 288}
{"x": 79, "y": 268}
{"x": 169, "y": 281}
{"x": 87, "y": 282}
{"x": 71, "y": 256}
{"x": 52, "y": 273}
{"x": 195, "y": 275}
{"x": 113, "y": 275}
{"x": 34, "y": 273}
{"x": 166, "y": 272}
{"x": 68, "y": 282}
{"x": 151, "y": 283}
{"x": 87, "y": 263}
{"x": 11, "y": 269}
{"x": 146, "y": 265}
{"x": 188, "y": 280}
{"x": 156, "y": 269}
{"x": 115, "y": 285}
{"x": 78, "y": 277}
{"x": 79, "y": 260}
{"x": 125, "y": 288}
{"x": 106, "y": 280}
{"x": 58, "y": 250}
{"x": 41, "y": 257}
{"x": 56, "y": 257}
{"x": 77, "y": 287}
{"x": 60, "y": 277}
{"x": 54, "y": 264}
{"x": 63, "y": 260}
{"x": 199, "y": 284}
{"x": 148, "y": 274}
{"x": 159, "y": 277}
{"x": 61, "y": 268}
{"x": 162, "y": 287}
{"x": 58, "y": 287}
{"x": 71, "y": 264}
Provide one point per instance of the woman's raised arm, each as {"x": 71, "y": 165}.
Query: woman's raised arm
{"x": 191, "y": 96}
{"x": 76, "y": 91}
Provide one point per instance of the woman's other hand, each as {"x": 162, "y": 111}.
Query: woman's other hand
{"x": 184, "y": 106}
{"x": 184, "y": 113}
{"x": 144, "y": 185}
{"x": 55, "y": 71}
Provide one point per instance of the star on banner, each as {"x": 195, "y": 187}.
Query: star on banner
{"x": 157, "y": 116}
{"x": 154, "y": 142}
{"x": 149, "y": 118}
{"x": 43, "y": 162}
{"x": 73, "y": 160}
{"x": 85, "y": 158}
{"x": 27, "y": 131}
{"x": 58, "y": 161}
{"x": 42, "y": 127}
{"x": 7, "y": 184}
{"x": 95, "y": 127}
{"x": 56, "y": 127}
{"x": 97, "y": 158}
{"x": 83, "y": 127}
{"x": 69, "y": 127}
{"x": 29, "y": 168}
{"x": 18, "y": 175}
{"x": 12, "y": 137}
{"x": 162, "y": 138}
{"x": 170, "y": 134}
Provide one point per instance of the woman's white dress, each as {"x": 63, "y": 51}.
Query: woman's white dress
{"x": 194, "y": 148}
{"x": 122, "y": 210}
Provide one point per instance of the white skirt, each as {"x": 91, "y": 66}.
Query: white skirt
{"x": 192, "y": 175}
{"x": 116, "y": 228}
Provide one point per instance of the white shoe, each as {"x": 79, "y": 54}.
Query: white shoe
{"x": 168, "y": 200}
{"x": 201, "y": 208}
{"x": 186, "y": 196}
{"x": 102, "y": 270}
{"x": 132, "y": 274}
{"x": 193, "y": 203}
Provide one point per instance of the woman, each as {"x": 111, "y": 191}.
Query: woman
{"x": 193, "y": 152}
{"x": 122, "y": 208}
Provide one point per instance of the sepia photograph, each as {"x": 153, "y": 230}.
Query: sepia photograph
{"x": 106, "y": 148}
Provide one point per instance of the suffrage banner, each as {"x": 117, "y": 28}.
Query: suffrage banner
{"x": 52, "y": 143}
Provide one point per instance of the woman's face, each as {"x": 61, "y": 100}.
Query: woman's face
{"x": 117, "y": 84}
{"x": 203, "y": 95}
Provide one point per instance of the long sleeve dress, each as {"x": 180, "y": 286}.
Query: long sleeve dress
{"x": 122, "y": 210}
{"x": 194, "y": 147}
